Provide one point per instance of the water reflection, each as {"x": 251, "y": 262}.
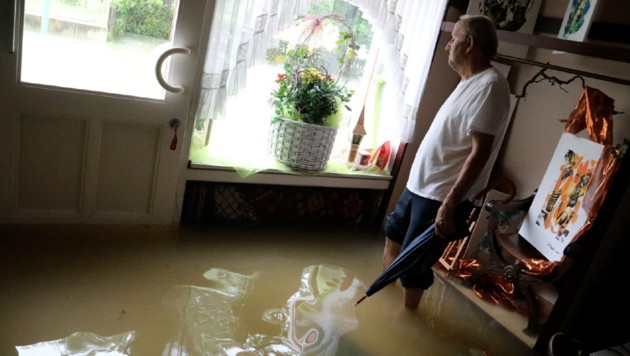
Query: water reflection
{"x": 61, "y": 284}
{"x": 310, "y": 324}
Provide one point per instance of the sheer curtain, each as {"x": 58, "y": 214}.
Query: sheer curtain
{"x": 405, "y": 33}
{"x": 408, "y": 32}
{"x": 240, "y": 34}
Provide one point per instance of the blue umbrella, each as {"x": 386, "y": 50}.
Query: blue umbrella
{"x": 421, "y": 248}
{"x": 408, "y": 257}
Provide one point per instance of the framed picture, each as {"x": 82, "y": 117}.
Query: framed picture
{"x": 513, "y": 15}
{"x": 557, "y": 213}
{"x": 577, "y": 20}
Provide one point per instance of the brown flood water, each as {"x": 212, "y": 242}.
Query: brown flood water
{"x": 223, "y": 291}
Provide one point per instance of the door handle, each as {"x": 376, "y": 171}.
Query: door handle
{"x": 158, "y": 69}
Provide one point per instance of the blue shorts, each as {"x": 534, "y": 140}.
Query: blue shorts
{"x": 411, "y": 217}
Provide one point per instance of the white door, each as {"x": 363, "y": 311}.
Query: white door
{"x": 85, "y": 126}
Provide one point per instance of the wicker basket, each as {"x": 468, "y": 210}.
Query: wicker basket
{"x": 301, "y": 146}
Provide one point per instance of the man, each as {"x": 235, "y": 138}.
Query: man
{"x": 455, "y": 159}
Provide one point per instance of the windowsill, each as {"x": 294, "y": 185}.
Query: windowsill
{"x": 281, "y": 175}
{"x": 232, "y": 164}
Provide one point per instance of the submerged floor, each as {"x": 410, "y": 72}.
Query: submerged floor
{"x": 176, "y": 291}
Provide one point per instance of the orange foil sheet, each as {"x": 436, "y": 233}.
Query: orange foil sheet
{"x": 593, "y": 112}
{"x": 493, "y": 288}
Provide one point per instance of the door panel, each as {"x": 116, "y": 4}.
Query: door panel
{"x": 127, "y": 168}
{"x": 40, "y": 150}
{"x": 94, "y": 156}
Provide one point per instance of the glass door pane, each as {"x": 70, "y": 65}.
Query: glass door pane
{"x": 108, "y": 46}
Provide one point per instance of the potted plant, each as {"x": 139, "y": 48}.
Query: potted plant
{"x": 308, "y": 106}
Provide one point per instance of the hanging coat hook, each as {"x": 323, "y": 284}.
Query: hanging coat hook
{"x": 542, "y": 76}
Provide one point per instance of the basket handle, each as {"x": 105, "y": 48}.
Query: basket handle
{"x": 346, "y": 60}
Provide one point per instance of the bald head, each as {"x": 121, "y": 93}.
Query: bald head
{"x": 482, "y": 30}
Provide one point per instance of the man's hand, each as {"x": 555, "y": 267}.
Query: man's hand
{"x": 445, "y": 220}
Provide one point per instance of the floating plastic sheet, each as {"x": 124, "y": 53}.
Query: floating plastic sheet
{"x": 81, "y": 344}
{"x": 208, "y": 322}
{"x": 310, "y": 324}
{"x": 319, "y": 313}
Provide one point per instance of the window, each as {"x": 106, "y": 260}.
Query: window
{"x": 101, "y": 45}
{"x": 239, "y": 136}
{"x": 234, "y": 112}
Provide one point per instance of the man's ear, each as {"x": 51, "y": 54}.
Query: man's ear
{"x": 470, "y": 43}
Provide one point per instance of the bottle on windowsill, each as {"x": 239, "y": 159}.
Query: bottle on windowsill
{"x": 357, "y": 136}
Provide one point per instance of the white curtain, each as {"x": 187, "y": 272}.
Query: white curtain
{"x": 408, "y": 31}
{"x": 243, "y": 29}
{"x": 241, "y": 32}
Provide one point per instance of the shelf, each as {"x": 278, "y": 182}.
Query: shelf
{"x": 589, "y": 49}
{"x": 512, "y": 321}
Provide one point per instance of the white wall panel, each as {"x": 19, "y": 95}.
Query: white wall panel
{"x": 127, "y": 168}
{"x": 50, "y": 164}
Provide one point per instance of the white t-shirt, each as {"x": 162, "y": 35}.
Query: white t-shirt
{"x": 480, "y": 103}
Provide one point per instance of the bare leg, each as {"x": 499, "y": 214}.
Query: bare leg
{"x": 390, "y": 252}
{"x": 413, "y": 297}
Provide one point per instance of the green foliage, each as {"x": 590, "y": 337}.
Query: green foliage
{"x": 307, "y": 92}
{"x": 361, "y": 27}
{"x": 333, "y": 58}
{"x": 144, "y": 17}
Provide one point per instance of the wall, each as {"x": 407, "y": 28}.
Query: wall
{"x": 69, "y": 27}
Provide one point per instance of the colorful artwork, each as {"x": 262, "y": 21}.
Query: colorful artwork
{"x": 557, "y": 214}
{"x": 577, "y": 20}
{"x": 509, "y": 15}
